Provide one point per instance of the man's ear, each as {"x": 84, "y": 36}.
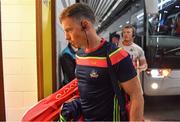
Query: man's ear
{"x": 84, "y": 24}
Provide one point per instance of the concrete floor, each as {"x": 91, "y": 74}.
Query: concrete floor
{"x": 162, "y": 108}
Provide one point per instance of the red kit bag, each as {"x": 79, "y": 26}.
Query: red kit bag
{"x": 48, "y": 109}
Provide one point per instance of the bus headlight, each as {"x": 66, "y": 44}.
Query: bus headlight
{"x": 166, "y": 72}
{"x": 155, "y": 73}
{"x": 159, "y": 73}
{"x": 154, "y": 86}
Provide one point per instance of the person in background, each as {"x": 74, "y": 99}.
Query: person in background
{"x": 177, "y": 26}
{"x": 68, "y": 64}
{"x": 136, "y": 52}
{"x": 92, "y": 73}
{"x": 115, "y": 39}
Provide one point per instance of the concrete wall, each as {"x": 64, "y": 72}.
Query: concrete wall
{"x": 19, "y": 56}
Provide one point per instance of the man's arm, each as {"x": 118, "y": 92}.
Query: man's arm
{"x": 133, "y": 88}
{"x": 142, "y": 61}
{"x": 142, "y": 65}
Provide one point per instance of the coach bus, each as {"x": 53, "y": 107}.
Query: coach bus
{"x": 157, "y": 24}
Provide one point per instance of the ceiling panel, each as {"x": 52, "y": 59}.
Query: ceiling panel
{"x": 104, "y": 9}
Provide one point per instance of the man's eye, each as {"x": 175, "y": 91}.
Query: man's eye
{"x": 68, "y": 30}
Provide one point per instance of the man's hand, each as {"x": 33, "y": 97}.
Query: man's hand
{"x": 142, "y": 65}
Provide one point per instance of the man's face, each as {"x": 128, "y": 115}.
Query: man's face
{"x": 115, "y": 40}
{"x": 128, "y": 34}
{"x": 73, "y": 32}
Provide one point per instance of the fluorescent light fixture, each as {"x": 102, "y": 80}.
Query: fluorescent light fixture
{"x": 140, "y": 22}
{"x": 104, "y": 18}
{"x": 163, "y": 2}
{"x": 117, "y": 3}
{"x": 127, "y": 22}
{"x": 150, "y": 19}
{"x": 140, "y": 15}
{"x": 165, "y": 11}
{"x": 109, "y": 13}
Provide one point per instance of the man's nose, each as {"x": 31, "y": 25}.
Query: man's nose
{"x": 124, "y": 34}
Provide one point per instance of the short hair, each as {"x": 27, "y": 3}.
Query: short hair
{"x": 116, "y": 35}
{"x": 78, "y": 11}
{"x": 130, "y": 26}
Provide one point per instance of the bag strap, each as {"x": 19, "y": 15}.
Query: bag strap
{"x": 117, "y": 90}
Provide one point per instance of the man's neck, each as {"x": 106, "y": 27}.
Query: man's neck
{"x": 127, "y": 43}
{"x": 94, "y": 41}
{"x": 93, "y": 45}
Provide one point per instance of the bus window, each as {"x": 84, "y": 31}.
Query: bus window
{"x": 165, "y": 21}
{"x": 163, "y": 32}
{"x": 153, "y": 20}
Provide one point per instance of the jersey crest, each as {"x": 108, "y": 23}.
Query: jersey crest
{"x": 94, "y": 74}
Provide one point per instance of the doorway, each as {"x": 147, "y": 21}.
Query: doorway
{"x": 2, "y": 102}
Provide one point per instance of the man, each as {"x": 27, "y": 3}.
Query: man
{"x": 115, "y": 39}
{"x": 96, "y": 91}
{"x": 67, "y": 63}
{"x": 135, "y": 51}
{"x": 177, "y": 28}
